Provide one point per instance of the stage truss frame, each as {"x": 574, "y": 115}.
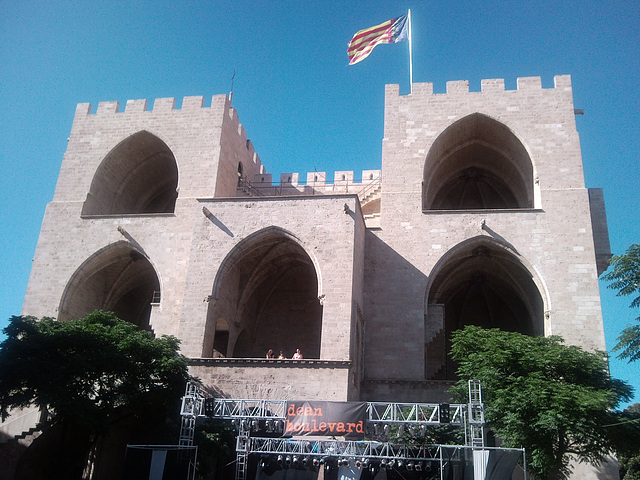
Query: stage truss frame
{"x": 247, "y": 413}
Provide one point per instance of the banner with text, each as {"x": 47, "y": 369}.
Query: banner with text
{"x": 338, "y": 419}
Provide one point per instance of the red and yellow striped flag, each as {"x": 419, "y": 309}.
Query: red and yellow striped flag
{"x": 364, "y": 41}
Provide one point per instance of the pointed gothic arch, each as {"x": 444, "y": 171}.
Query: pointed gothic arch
{"x": 480, "y": 282}
{"x": 477, "y": 163}
{"x": 265, "y": 296}
{"x": 138, "y": 176}
{"x": 117, "y": 278}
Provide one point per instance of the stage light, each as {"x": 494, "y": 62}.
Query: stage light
{"x": 287, "y": 460}
{"x": 386, "y": 429}
{"x": 401, "y": 430}
{"x": 254, "y": 425}
{"x": 390, "y": 463}
{"x": 316, "y": 462}
{"x": 358, "y": 464}
{"x": 400, "y": 463}
{"x": 383, "y": 463}
{"x": 410, "y": 466}
{"x": 418, "y": 466}
{"x": 445, "y": 414}
{"x": 280, "y": 459}
{"x": 296, "y": 460}
{"x": 269, "y": 425}
{"x": 209, "y": 407}
{"x": 264, "y": 463}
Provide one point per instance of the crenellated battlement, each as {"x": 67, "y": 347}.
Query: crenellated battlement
{"x": 317, "y": 183}
{"x": 192, "y": 115}
{"x": 160, "y": 105}
{"x": 458, "y": 87}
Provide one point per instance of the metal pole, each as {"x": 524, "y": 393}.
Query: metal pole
{"x": 410, "y": 56}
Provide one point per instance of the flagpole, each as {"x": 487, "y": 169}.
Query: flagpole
{"x": 410, "y": 57}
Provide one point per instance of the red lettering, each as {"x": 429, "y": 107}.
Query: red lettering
{"x": 316, "y": 423}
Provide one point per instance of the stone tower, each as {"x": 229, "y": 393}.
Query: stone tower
{"x": 479, "y": 216}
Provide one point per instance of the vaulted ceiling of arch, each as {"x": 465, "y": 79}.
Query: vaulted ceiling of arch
{"x": 504, "y": 176}
{"x": 139, "y": 175}
{"x": 485, "y": 282}
{"x": 107, "y": 279}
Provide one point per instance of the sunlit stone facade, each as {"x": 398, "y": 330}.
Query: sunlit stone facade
{"x": 479, "y": 215}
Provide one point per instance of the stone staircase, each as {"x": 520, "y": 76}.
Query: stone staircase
{"x": 23, "y": 426}
{"x": 370, "y": 192}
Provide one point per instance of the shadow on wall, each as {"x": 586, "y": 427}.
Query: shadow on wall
{"x": 394, "y": 313}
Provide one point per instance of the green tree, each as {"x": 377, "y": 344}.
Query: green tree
{"x": 89, "y": 374}
{"x": 625, "y": 277}
{"x": 627, "y": 447}
{"x": 216, "y": 441}
{"x": 552, "y": 399}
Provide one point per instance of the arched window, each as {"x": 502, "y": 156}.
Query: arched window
{"x": 477, "y": 163}
{"x": 240, "y": 173}
{"x": 479, "y": 283}
{"x": 266, "y": 297}
{"x": 139, "y": 175}
{"x": 118, "y": 278}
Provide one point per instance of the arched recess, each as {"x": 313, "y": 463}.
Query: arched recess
{"x": 265, "y": 296}
{"x": 477, "y": 163}
{"x": 118, "y": 278}
{"x": 484, "y": 283}
{"x": 139, "y": 175}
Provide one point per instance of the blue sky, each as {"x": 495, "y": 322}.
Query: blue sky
{"x": 300, "y": 103}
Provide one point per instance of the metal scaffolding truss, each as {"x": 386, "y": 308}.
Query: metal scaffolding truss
{"x": 437, "y": 460}
{"x": 415, "y": 413}
{"x": 377, "y": 412}
{"x": 191, "y": 407}
{"x": 475, "y": 420}
{"x": 256, "y": 416}
{"x": 245, "y": 409}
{"x": 361, "y": 450}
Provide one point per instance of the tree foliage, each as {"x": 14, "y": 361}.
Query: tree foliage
{"x": 90, "y": 371}
{"x": 625, "y": 278}
{"x": 216, "y": 441}
{"x": 552, "y": 399}
{"x": 627, "y": 447}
